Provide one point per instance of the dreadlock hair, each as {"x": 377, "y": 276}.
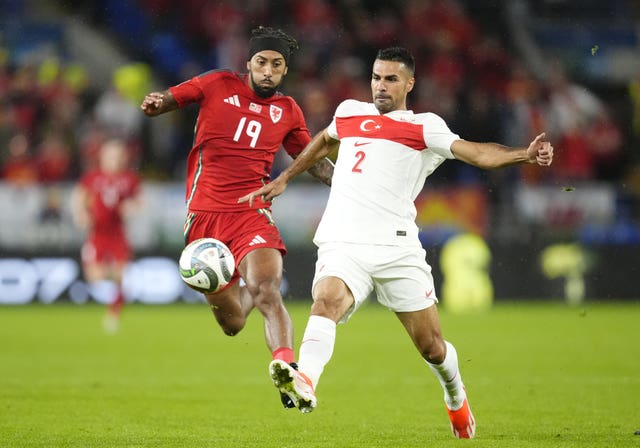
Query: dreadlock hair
{"x": 267, "y": 38}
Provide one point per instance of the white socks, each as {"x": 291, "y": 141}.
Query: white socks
{"x": 316, "y": 348}
{"x": 449, "y": 376}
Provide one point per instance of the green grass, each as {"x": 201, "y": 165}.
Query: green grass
{"x": 538, "y": 375}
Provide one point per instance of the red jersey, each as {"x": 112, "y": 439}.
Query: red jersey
{"x": 237, "y": 136}
{"x": 106, "y": 193}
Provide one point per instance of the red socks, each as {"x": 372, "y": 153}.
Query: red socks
{"x": 285, "y": 354}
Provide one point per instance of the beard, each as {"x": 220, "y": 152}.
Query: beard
{"x": 262, "y": 91}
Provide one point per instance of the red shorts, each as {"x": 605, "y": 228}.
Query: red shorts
{"x": 242, "y": 231}
{"x": 105, "y": 249}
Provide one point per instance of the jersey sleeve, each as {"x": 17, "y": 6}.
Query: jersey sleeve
{"x": 188, "y": 92}
{"x": 342, "y": 109}
{"x": 438, "y": 136}
{"x": 299, "y": 137}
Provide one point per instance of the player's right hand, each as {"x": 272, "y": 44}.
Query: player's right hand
{"x": 152, "y": 103}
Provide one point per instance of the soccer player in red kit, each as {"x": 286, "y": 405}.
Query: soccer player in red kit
{"x": 101, "y": 200}
{"x": 242, "y": 122}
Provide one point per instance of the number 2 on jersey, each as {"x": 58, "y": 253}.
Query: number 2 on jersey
{"x": 360, "y": 155}
{"x": 252, "y": 130}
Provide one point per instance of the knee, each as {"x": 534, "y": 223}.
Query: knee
{"x": 231, "y": 330}
{"x": 266, "y": 294}
{"x": 434, "y": 350}
{"x": 333, "y": 309}
{"x": 231, "y": 325}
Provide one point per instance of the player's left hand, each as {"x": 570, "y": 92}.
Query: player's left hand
{"x": 267, "y": 192}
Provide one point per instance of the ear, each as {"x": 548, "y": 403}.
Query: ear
{"x": 286, "y": 69}
{"x": 249, "y": 65}
{"x": 410, "y": 84}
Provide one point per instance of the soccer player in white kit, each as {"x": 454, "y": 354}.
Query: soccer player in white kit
{"x": 368, "y": 239}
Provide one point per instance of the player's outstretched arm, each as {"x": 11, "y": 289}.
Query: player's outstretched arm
{"x": 322, "y": 170}
{"x": 493, "y": 155}
{"x": 318, "y": 148}
{"x": 156, "y": 103}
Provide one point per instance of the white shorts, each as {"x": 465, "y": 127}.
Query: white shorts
{"x": 400, "y": 276}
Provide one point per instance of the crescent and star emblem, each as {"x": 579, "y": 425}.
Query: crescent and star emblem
{"x": 364, "y": 128}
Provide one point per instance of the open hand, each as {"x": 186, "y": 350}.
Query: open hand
{"x": 266, "y": 192}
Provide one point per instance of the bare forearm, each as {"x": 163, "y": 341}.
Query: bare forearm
{"x": 488, "y": 155}
{"x": 322, "y": 170}
{"x": 494, "y": 155}
{"x": 317, "y": 149}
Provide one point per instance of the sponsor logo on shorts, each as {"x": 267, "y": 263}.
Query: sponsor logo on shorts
{"x": 428, "y": 293}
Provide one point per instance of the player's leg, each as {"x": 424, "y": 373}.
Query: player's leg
{"x": 424, "y": 329}
{"x": 261, "y": 270}
{"x": 116, "y": 270}
{"x": 94, "y": 271}
{"x": 102, "y": 289}
{"x": 228, "y": 309}
{"x": 100, "y": 286}
{"x": 405, "y": 285}
{"x": 332, "y": 300}
{"x": 231, "y": 305}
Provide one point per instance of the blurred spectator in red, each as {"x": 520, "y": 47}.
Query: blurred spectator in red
{"x": 585, "y": 133}
{"x": 525, "y": 115}
{"x": 7, "y": 126}
{"x": 219, "y": 19}
{"x": 54, "y": 158}
{"x": 19, "y": 167}
{"x": 489, "y": 64}
{"x": 5, "y": 76}
{"x": 24, "y": 97}
{"x": 438, "y": 22}
{"x": 445, "y": 67}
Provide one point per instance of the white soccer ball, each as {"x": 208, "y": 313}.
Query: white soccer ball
{"x": 206, "y": 265}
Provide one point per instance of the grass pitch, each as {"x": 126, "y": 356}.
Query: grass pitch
{"x": 538, "y": 375}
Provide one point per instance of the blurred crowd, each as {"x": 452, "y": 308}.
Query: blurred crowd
{"x": 53, "y": 119}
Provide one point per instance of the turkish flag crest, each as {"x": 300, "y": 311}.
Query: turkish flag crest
{"x": 276, "y": 113}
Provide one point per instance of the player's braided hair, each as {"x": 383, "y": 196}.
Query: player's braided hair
{"x": 267, "y": 31}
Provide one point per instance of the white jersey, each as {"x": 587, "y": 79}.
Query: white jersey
{"x": 382, "y": 164}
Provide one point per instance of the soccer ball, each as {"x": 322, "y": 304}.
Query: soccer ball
{"x": 206, "y": 265}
